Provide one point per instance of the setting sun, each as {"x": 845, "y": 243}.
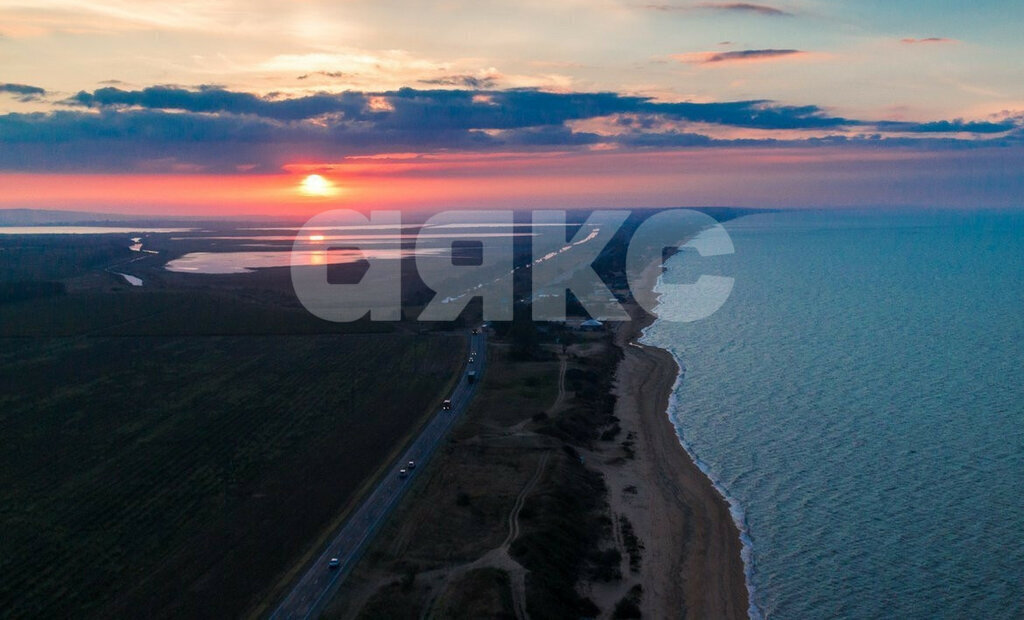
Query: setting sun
{"x": 316, "y": 185}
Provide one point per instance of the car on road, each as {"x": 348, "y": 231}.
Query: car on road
{"x": 411, "y": 465}
{"x": 403, "y": 473}
{"x": 472, "y": 358}
{"x": 476, "y": 331}
{"x": 334, "y": 563}
{"x": 447, "y": 404}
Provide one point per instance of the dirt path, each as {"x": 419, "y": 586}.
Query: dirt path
{"x": 562, "y": 365}
{"x": 518, "y": 578}
{"x": 513, "y": 516}
{"x": 499, "y": 557}
{"x": 556, "y": 405}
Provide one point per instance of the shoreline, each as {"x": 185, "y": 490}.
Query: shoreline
{"x": 699, "y": 544}
{"x": 736, "y": 511}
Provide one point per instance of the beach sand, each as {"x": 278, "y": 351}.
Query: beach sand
{"x": 691, "y": 565}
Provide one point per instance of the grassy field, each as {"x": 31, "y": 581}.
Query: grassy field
{"x": 183, "y": 474}
{"x": 458, "y": 512}
{"x": 54, "y": 257}
{"x": 159, "y": 312}
{"x": 173, "y": 450}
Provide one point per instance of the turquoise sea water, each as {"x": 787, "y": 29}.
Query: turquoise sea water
{"x": 860, "y": 398}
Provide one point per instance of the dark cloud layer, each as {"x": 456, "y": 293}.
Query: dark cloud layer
{"x": 23, "y": 92}
{"x": 734, "y": 7}
{"x": 745, "y": 7}
{"x": 954, "y": 126}
{"x": 413, "y": 109}
{"x": 214, "y": 129}
{"x": 209, "y": 99}
{"x": 749, "y": 55}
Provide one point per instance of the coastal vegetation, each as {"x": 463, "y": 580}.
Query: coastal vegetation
{"x": 511, "y": 492}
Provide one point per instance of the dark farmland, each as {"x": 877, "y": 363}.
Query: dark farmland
{"x": 172, "y": 451}
{"x": 180, "y": 475}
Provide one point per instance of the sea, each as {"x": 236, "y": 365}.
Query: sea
{"x": 859, "y": 400}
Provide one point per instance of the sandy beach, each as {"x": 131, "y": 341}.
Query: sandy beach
{"x": 691, "y": 566}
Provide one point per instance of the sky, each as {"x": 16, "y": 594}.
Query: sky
{"x": 229, "y": 106}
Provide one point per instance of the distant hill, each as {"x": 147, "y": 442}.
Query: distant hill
{"x": 47, "y": 217}
{"x": 43, "y": 217}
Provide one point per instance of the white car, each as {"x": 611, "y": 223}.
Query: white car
{"x": 411, "y": 465}
{"x": 334, "y": 563}
{"x": 403, "y": 473}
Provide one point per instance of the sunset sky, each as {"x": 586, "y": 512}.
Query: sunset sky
{"x": 227, "y": 107}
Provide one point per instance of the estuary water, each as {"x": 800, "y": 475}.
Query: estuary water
{"x": 860, "y": 400}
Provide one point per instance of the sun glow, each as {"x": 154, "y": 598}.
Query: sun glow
{"x": 317, "y": 186}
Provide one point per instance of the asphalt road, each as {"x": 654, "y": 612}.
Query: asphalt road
{"x": 314, "y": 589}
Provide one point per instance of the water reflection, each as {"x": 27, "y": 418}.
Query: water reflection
{"x": 133, "y": 280}
{"x": 361, "y": 238}
{"x": 245, "y": 262}
{"x": 85, "y": 230}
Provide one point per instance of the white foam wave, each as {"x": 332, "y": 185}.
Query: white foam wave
{"x": 739, "y": 517}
